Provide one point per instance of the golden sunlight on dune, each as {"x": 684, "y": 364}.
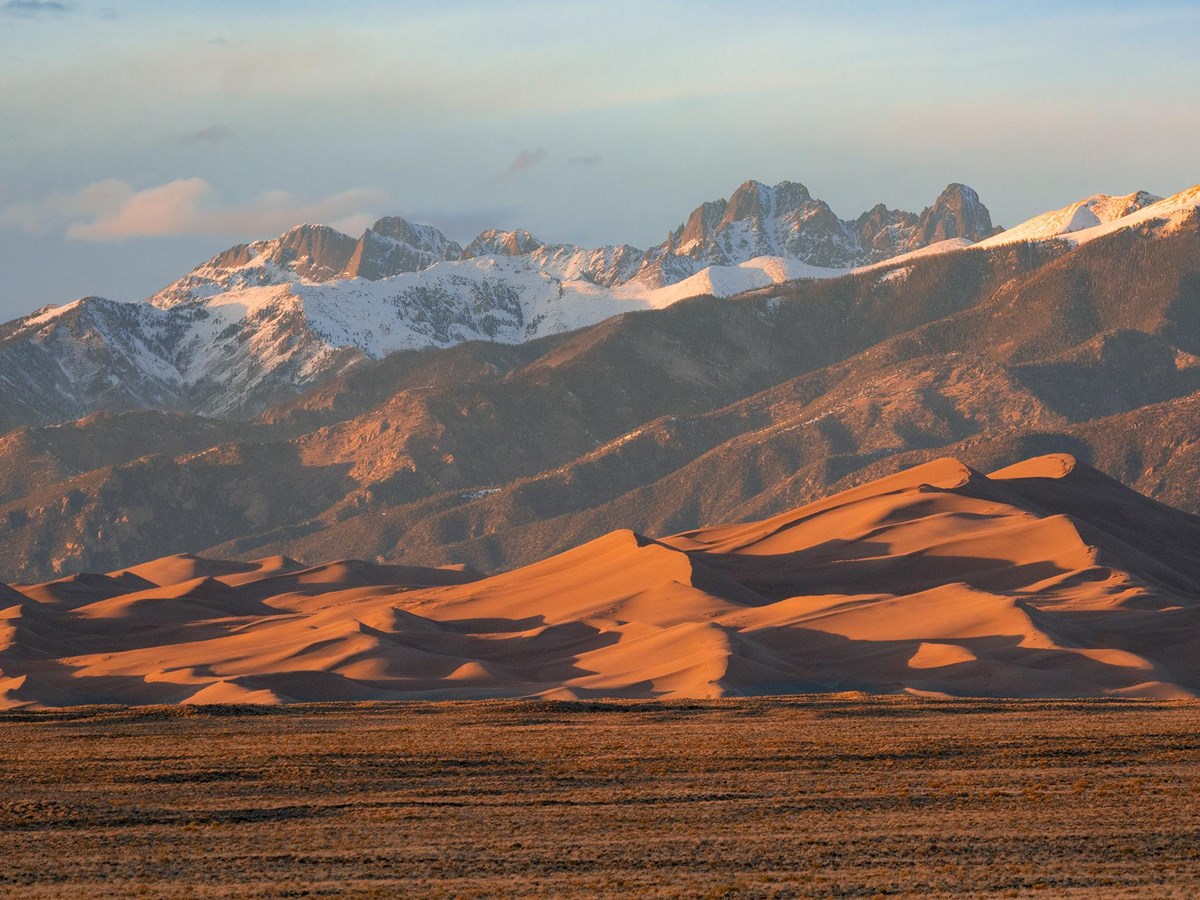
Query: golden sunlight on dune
{"x": 1044, "y": 579}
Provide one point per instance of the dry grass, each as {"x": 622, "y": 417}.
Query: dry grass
{"x": 754, "y": 798}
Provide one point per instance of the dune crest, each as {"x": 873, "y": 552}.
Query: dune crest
{"x": 1043, "y": 579}
{"x": 1052, "y": 465}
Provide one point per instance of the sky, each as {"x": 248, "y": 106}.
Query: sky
{"x": 139, "y": 138}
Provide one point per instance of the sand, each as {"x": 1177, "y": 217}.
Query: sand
{"x": 1046, "y": 579}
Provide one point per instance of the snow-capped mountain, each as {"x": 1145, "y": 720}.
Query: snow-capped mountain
{"x": 782, "y": 221}
{"x": 315, "y": 254}
{"x": 260, "y": 321}
{"x": 786, "y": 221}
{"x": 1098, "y": 214}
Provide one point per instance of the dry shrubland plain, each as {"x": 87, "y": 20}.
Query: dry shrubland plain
{"x": 816, "y": 796}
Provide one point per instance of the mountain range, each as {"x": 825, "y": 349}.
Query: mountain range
{"x": 1043, "y": 579}
{"x": 1076, "y": 332}
{"x": 259, "y": 322}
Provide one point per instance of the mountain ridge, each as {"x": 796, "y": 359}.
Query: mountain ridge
{"x": 318, "y": 253}
{"x": 706, "y": 410}
{"x": 259, "y": 322}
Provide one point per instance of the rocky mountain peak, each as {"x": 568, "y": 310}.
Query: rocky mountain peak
{"x": 752, "y": 201}
{"x": 236, "y": 256}
{"x": 422, "y": 237}
{"x": 786, "y": 220}
{"x": 755, "y": 199}
{"x": 314, "y": 252}
{"x": 956, "y": 213}
{"x": 495, "y": 242}
{"x": 699, "y": 226}
{"x": 394, "y": 245}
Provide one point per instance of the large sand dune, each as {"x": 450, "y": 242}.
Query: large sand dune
{"x": 1045, "y": 579}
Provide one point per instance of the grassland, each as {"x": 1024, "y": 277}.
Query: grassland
{"x": 755, "y": 798}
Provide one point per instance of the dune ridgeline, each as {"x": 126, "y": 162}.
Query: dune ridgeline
{"x": 1043, "y": 579}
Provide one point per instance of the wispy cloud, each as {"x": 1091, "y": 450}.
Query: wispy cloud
{"x": 60, "y": 209}
{"x": 27, "y": 9}
{"x": 112, "y": 210}
{"x": 213, "y": 134}
{"x": 583, "y": 161}
{"x": 527, "y": 159}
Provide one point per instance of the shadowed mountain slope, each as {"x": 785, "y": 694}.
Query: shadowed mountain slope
{"x": 709, "y": 410}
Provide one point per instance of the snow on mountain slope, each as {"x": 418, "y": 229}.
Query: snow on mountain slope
{"x": 1080, "y": 220}
{"x": 1164, "y": 215}
{"x": 263, "y": 320}
{"x": 605, "y": 266}
{"x": 64, "y": 362}
{"x": 272, "y": 317}
{"x": 316, "y": 254}
{"x": 766, "y": 271}
{"x": 727, "y": 281}
{"x": 237, "y": 350}
{"x": 506, "y": 299}
{"x": 758, "y": 221}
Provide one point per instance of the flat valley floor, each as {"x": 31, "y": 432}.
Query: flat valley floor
{"x": 812, "y": 796}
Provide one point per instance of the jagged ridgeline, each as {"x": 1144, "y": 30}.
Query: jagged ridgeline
{"x": 263, "y": 321}
{"x": 716, "y": 409}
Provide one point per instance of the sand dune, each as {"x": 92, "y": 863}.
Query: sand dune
{"x": 1044, "y": 579}
{"x": 186, "y": 566}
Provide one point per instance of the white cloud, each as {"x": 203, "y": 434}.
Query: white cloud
{"x": 60, "y": 209}
{"x": 112, "y": 210}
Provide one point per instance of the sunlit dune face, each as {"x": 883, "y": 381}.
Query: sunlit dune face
{"x": 1044, "y": 579}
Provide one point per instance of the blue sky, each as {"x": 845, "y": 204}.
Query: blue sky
{"x": 139, "y": 138}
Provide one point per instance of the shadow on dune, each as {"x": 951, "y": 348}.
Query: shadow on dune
{"x": 790, "y": 660}
{"x": 839, "y": 566}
